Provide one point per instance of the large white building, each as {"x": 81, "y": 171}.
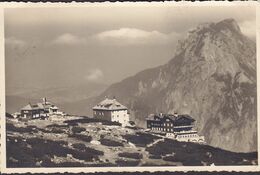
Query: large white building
{"x": 112, "y": 110}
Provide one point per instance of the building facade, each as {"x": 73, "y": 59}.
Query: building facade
{"x": 32, "y": 111}
{"x": 180, "y": 127}
{"x": 111, "y": 110}
{"x": 39, "y": 110}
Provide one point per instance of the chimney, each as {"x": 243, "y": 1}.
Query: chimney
{"x": 44, "y": 100}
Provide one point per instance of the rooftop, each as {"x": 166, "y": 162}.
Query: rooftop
{"x": 109, "y": 104}
{"x": 172, "y": 117}
{"x": 42, "y": 105}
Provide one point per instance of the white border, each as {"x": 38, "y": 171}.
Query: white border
{"x": 115, "y": 169}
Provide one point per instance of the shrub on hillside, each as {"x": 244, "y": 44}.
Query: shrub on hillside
{"x": 131, "y": 155}
{"x": 56, "y": 126}
{"x": 79, "y": 146}
{"x": 78, "y": 129}
{"x": 11, "y": 127}
{"x": 82, "y": 147}
{"x": 193, "y": 154}
{"x": 121, "y": 162}
{"x": 90, "y": 120}
{"x": 18, "y": 154}
{"x": 154, "y": 156}
{"x": 140, "y": 139}
{"x": 108, "y": 142}
{"x": 81, "y": 137}
{"x": 88, "y": 155}
{"x": 68, "y": 164}
{"x": 57, "y": 130}
{"x": 9, "y": 115}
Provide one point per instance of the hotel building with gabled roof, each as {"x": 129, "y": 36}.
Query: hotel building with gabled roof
{"x": 111, "y": 110}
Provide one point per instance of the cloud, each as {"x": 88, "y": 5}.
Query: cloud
{"x": 133, "y": 36}
{"x": 68, "y": 39}
{"x": 249, "y": 28}
{"x": 95, "y": 75}
{"x": 14, "y": 41}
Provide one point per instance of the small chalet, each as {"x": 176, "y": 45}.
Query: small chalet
{"x": 180, "y": 127}
{"x": 112, "y": 110}
{"x": 39, "y": 110}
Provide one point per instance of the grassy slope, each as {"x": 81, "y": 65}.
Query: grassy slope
{"x": 88, "y": 142}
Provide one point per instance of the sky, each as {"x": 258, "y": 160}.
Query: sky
{"x": 101, "y": 43}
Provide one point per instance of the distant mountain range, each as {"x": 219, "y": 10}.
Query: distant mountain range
{"x": 212, "y": 77}
{"x": 18, "y": 97}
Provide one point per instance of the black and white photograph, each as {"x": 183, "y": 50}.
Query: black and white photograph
{"x": 130, "y": 85}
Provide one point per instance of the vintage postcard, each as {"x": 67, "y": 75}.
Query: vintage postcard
{"x": 129, "y": 87}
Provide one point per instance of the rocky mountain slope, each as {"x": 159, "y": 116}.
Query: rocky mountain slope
{"x": 212, "y": 77}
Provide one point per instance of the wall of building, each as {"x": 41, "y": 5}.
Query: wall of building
{"x": 166, "y": 126}
{"x": 120, "y": 116}
{"x": 102, "y": 114}
{"x": 31, "y": 113}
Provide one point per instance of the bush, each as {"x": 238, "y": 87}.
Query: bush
{"x": 121, "y": 162}
{"x": 20, "y": 155}
{"x": 91, "y": 120}
{"x": 57, "y": 126}
{"x": 78, "y": 129}
{"x": 155, "y": 157}
{"x": 107, "y": 164}
{"x": 11, "y": 127}
{"x": 82, "y": 147}
{"x": 88, "y": 155}
{"x": 82, "y": 137}
{"x": 79, "y": 146}
{"x": 18, "y": 151}
{"x": 9, "y": 115}
{"x": 131, "y": 155}
{"x": 193, "y": 154}
{"x": 57, "y": 130}
{"x": 50, "y": 148}
{"x": 140, "y": 139}
{"x": 108, "y": 142}
{"x": 69, "y": 164}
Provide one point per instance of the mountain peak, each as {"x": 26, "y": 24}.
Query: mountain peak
{"x": 230, "y": 24}
{"x": 211, "y": 78}
{"x": 213, "y": 33}
{"x": 224, "y": 25}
